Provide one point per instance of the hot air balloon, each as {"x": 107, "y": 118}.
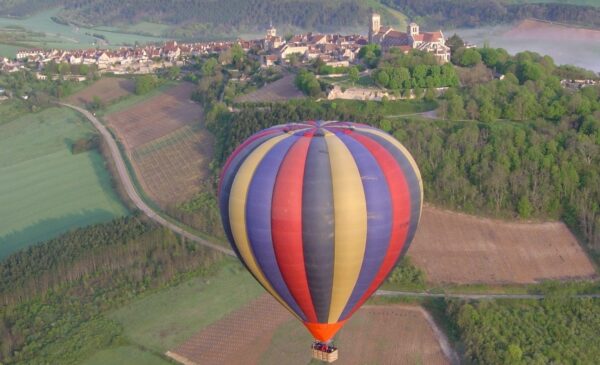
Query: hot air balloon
{"x": 320, "y": 213}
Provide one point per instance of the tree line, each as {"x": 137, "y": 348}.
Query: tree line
{"x": 556, "y": 330}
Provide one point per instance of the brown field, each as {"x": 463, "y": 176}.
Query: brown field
{"x": 172, "y": 168}
{"x": 457, "y": 248}
{"x": 108, "y": 89}
{"x": 156, "y": 117}
{"x": 263, "y": 332}
{"x": 169, "y": 148}
{"x": 280, "y": 90}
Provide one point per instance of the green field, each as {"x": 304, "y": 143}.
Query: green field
{"x": 168, "y": 317}
{"x": 45, "y": 189}
{"x": 55, "y": 35}
{"x": 125, "y": 355}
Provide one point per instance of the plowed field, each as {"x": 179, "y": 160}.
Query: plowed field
{"x": 458, "y": 248}
{"x": 167, "y": 143}
{"x": 108, "y": 89}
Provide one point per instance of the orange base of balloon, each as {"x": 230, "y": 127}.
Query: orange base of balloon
{"x": 325, "y": 356}
{"x": 324, "y": 331}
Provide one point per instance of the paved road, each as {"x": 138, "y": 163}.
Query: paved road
{"x": 132, "y": 192}
{"x": 152, "y": 214}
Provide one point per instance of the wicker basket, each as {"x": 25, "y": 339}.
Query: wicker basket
{"x": 324, "y": 355}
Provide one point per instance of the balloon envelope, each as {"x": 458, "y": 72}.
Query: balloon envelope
{"x": 319, "y": 213}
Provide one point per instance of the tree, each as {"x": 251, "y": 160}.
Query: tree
{"x": 353, "y": 74}
{"x": 173, "y": 72}
{"x": 382, "y": 78}
{"x": 455, "y": 42}
{"x": 529, "y": 71}
{"x": 524, "y": 207}
{"x": 209, "y": 68}
{"x": 145, "y": 83}
{"x": 370, "y": 54}
{"x": 470, "y": 57}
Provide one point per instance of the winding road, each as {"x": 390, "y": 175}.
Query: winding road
{"x": 130, "y": 188}
{"x": 155, "y": 216}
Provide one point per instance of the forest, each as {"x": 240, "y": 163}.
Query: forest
{"x": 556, "y": 330}
{"x": 476, "y": 13}
{"x": 207, "y": 18}
{"x": 53, "y": 295}
{"x": 413, "y": 71}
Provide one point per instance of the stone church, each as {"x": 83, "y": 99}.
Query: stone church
{"x": 388, "y": 37}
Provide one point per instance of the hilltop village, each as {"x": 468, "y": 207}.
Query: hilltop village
{"x": 333, "y": 49}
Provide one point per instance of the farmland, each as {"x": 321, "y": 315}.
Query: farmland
{"x": 155, "y": 117}
{"x": 280, "y": 90}
{"x": 263, "y": 332}
{"x": 461, "y": 249}
{"x": 169, "y": 317}
{"x": 108, "y": 90}
{"x": 45, "y": 189}
{"x": 169, "y": 149}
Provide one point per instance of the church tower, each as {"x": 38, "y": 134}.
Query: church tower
{"x": 374, "y": 26}
{"x": 271, "y": 31}
{"x": 412, "y": 29}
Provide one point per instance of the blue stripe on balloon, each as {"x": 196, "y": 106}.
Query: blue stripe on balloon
{"x": 227, "y": 183}
{"x": 258, "y": 219}
{"x": 379, "y": 217}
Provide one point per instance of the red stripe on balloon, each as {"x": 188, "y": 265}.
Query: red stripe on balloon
{"x": 286, "y": 225}
{"x": 400, "y": 198}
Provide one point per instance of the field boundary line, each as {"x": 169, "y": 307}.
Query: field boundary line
{"x": 131, "y": 190}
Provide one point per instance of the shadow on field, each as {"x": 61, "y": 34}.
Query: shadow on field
{"x": 50, "y": 228}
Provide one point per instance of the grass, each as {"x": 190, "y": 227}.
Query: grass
{"x": 45, "y": 190}
{"x": 11, "y": 109}
{"x": 167, "y": 318}
{"x": 125, "y": 355}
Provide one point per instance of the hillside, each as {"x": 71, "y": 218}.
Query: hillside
{"x": 475, "y": 13}
{"x": 196, "y": 18}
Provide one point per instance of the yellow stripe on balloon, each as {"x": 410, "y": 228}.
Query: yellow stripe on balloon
{"x": 404, "y": 151}
{"x": 350, "y": 212}
{"x": 237, "y": 212}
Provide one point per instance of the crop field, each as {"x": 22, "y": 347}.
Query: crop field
{"x": 156, "y": 117}
{"x": 172, "y": 168}
{"x": 45, "y": 190}
{"x": 457, "y": 248}
{"x": 263, "y": 332}
{"x": 169, "y": 317}
{"x": 108, "y": 89}
{"x": 168, "y": 146}
{"x": 280, "y": 90}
